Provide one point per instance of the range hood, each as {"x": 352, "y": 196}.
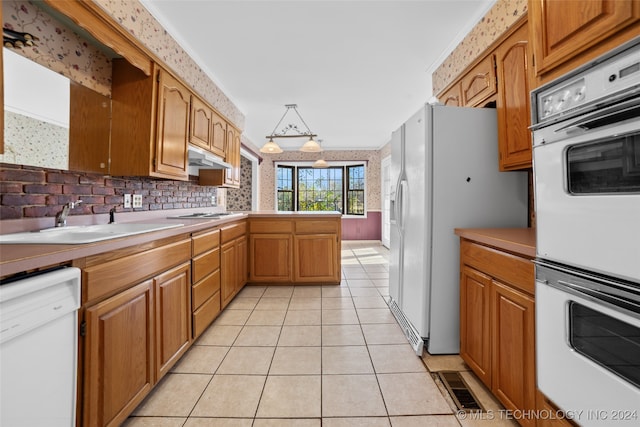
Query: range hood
{"x": 200, "y": 159}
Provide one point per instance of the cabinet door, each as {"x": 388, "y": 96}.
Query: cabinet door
{"x": 270, "y": 257}
{"x": 173, "y": 316}
{"x": 118, "y": 356}
{"x": 219, "y": 135}
{"x": 232, "y": 175}
{"x": 242, "y": 264}
{"x": 172, "y": 131}
{"x": 479, "y": 84}
{"x": 513, "y": 355}
{"x": 90, "y": 113}
{"x": 315, "y": 258}
{"x": 230, "y": 155}
{"x": 452, "y": 96}
{"x": 200, "y": 131}
{"x": 228, "y": 272}
{"x": 236, "y": 160}
{"x": 475, "y": 343}
{"x": 514, "y": 113}
{"x": 564, "y": 29}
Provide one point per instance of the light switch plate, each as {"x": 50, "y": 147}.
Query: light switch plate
{"x": 127, "y": 201}
{"x": 137, "y": 201}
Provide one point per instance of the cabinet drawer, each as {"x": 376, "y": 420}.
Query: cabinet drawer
{"x": 233, "y": 231}
{"x": 203, "y": 316}
{"x": 270, "y": 226}
{"x": 512, "y": 269}
{"x": 205, "y": 264}
{"x": 316, "y": 226}
{"x": 103, "y": 279}
{"x": 479, "y": 83}
{"x": 204, "y": 241}
{"x": 204, "y": 289}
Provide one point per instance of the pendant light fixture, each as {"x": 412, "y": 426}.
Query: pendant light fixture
{"x": 320, "y": 163}
{"x": 311, "y": 146}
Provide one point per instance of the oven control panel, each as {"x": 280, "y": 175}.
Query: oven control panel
{"x": 611, "y": 77}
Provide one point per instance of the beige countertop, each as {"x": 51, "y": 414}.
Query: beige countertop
{"x": 520, "y": 241}
{"x": 16, "y": 258}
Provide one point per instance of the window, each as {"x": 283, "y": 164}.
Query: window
{"x": 337, "y": 188}
{"x": 285, "y": 188}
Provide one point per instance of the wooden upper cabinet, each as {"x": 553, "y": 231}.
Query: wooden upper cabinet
{"x": 172, "y": 128}
{"x": 232, "y": 175}
{"x": 90, "y": 113}
{"x": 568, "y": 33}
{"x": 208, "y": 129}
{"x": 201, "y": 124}
{"x": 513, "y": 104}
{"x": 219, "y": 135}
{"x": 479, "y": 84}
{"x": 150, "y": 123}
{"x": 452, "y": 96}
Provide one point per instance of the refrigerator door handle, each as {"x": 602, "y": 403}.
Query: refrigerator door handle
{"x": 397, "y": 204}
{"x": 402, "y": 203}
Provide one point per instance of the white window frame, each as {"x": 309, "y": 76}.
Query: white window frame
{"x": 309, "y": 164}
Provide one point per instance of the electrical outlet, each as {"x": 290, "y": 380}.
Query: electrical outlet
{"x": 137, "y": 200}
{"x": 127, "y": 201}
{"x": 214, "y": 200}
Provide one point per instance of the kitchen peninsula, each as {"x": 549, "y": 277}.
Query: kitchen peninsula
{"x": 155, "y": 293}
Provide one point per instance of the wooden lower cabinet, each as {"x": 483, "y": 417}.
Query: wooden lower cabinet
{"x": 233, "y": 265}
{"x": 132, "y": 340}
{"x": 294, "y": 250}
{"x": 233, "y": 260}
{"x": 315, "y": 258}
{"x": 513, "y": 379}
{"x": 497, "y": 324}
{"x": 205, "y": 279}
{"x": 474, "y": 322}
{"x": 270, "y": 257}
{"x": 173, "y": 316}
{"x": 136, "y": 318}
{"x": 119, "y": 355}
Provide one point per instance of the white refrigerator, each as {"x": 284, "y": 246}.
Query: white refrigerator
{"x": 444, "y": 175}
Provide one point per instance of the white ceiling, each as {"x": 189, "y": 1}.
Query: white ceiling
{"x": 356, "y": 69}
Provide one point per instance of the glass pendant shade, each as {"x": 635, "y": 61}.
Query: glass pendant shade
{"x": 320, "y": 164}
{"x": 311, "y": 146}
{"x": 270, "y": 147}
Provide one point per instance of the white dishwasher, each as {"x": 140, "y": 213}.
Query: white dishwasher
{"x": 39, "y": 349}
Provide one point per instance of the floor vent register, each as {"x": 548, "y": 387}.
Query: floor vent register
{"x": 459, "y": 391}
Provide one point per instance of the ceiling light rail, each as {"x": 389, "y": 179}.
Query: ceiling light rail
{"x": 291, "y": 131}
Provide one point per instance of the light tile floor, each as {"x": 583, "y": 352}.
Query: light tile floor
{"x": 308, "y": 356}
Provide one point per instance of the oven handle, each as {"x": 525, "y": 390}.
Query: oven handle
{"x": 599, "y": 296}
{"x": 606, "y": 116}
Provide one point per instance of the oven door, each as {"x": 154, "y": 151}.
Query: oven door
{"x": 587, "y": 193}
{"x": 588, "y": 345}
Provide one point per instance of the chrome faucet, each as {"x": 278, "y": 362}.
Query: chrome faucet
{"x": 61, "y": 217}
{"x": 112, "y": 214}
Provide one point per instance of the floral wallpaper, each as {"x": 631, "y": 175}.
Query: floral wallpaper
{"x": 501, "y": 16}
{"x": 239, "y": 199}
{"x": 65, "y": 52}
{"x": 132, "y": 16}
{"x": 268, "y": 178}
{"x": 24, "y": 138}
{"x": 58, "y": 48}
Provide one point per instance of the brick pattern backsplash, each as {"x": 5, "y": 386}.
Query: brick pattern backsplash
{"x": 31, "y": 192}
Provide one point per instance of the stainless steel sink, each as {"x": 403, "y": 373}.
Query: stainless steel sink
{"x": 73, "y": 235}
{"x": 205, "y": 215}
